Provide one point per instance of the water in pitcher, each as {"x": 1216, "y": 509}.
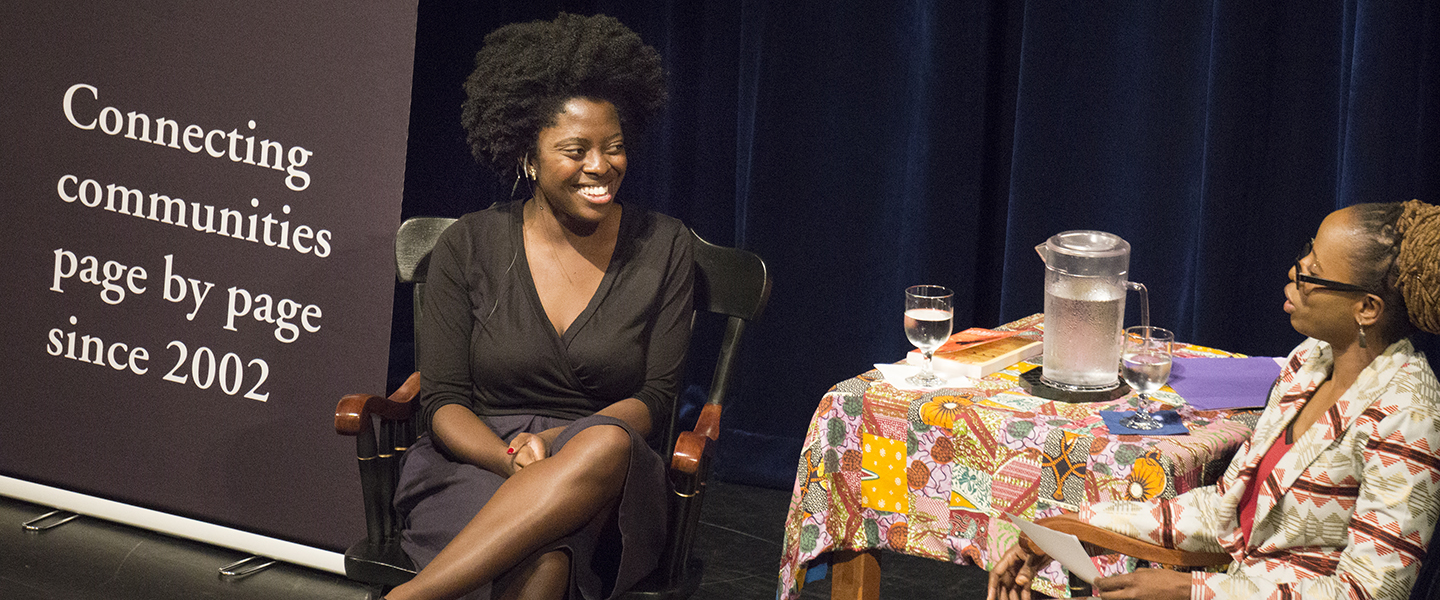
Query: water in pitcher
{"x": 1089, "y": 332}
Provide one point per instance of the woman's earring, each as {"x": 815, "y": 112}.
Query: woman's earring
{"x": 1362, "y": 336}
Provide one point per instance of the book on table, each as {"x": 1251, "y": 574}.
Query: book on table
{"x": 979, "y": 352}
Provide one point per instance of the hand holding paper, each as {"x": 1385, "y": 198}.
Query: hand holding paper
{"x": 1063, "y": 547}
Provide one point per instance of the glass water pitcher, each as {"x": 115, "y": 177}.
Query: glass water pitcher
{"x": 1085, "y": 286}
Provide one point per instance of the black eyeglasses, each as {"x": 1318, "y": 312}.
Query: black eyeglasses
{"x": 1328, "y": 284}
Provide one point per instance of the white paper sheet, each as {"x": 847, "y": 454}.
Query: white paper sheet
{"x": 895, "y": 374}
{"x": 1063, "y": 547}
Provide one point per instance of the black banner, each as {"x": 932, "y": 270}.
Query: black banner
{"x": 199, "y": 202}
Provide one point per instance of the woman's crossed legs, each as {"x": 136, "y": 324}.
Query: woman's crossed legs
{"x": 536, "y": 506}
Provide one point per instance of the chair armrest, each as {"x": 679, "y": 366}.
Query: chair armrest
{"x": 354, "y": 410}
{"x": 691, "y": 446}
{"x": 1114, "y": 542}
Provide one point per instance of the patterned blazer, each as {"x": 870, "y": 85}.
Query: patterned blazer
{"x": 1346, "y": 513}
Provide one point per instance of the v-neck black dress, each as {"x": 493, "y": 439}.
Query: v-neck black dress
{"x": 484, "y": 341}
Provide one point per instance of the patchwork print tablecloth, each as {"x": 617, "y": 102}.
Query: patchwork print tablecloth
{"x": 929, "y": 473}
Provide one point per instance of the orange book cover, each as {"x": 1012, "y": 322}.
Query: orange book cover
{"x": 972, "y": 337}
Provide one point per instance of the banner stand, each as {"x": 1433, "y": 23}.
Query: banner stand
{"x": 168, "y": 524}
{"x": 200, "y": 204}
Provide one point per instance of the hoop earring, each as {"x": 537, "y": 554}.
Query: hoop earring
{"x": 1362, "y": 336}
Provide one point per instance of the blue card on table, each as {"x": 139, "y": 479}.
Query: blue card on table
{"x": 1170, "y": 423}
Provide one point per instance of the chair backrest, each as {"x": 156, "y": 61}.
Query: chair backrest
{"x": 730, "y": 281}
{"x": 413, "y": 243}
{"x": 734, "y": 283}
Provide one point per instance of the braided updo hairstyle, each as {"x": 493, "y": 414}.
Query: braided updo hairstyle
{"x": 526, "y": 72}
{"x": 1401, "y": 261}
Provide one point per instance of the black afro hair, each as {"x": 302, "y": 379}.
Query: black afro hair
{"x": 526, "y": 72}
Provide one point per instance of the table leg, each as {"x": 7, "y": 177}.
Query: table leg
{"x": 855, "y": 575}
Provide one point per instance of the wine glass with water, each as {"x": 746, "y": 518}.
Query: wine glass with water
{"x": 929, "y": 313}
{"x": 1145, "y": 364}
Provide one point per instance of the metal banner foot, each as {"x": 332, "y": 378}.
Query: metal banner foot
{"x": 245, "y": 567}
{"x": 54, "y": 518}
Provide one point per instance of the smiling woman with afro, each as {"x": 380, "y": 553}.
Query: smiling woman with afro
{"x": 552, "y": 334}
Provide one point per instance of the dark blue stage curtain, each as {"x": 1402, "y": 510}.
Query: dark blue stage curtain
{"x": 861, "y": 147}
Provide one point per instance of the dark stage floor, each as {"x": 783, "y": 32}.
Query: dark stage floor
{"x": 89, "y": 559}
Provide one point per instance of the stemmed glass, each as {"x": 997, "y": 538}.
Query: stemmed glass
{"x": 1145, "y": 365}
{"x": 929, "y": 313}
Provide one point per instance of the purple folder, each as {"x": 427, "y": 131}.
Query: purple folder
{"x": 1215, "y": 383}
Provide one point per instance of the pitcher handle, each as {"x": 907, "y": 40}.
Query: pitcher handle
{"x": 1144, "y": 301}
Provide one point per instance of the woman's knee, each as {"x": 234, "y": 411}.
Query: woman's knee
{"x": 603, "y": 448}
{"x": 543, "y": 576}
{"x": 554, "y": 562}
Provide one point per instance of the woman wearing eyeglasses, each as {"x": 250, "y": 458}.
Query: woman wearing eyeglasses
{"x": 1337, "y": 493}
